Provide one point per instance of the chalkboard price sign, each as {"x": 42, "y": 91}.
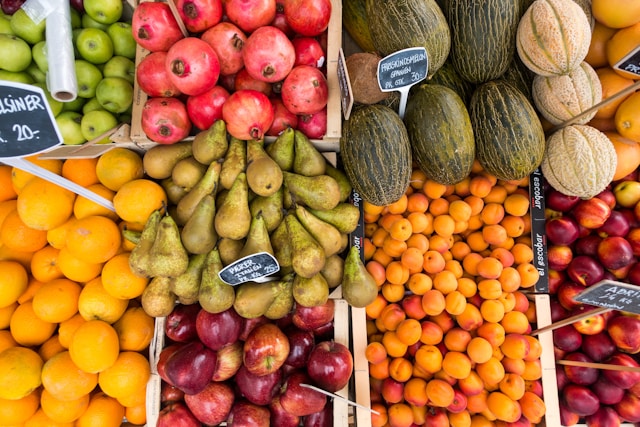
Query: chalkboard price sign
{"x": 27, "y": 125}
{"x": 631, "y": 62}
{"x": 612, "y": 294}
{"x": 401, "y": 70}
{"x": 250, "y": 268}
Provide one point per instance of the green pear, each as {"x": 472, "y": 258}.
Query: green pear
{"x": 333, "y": 270}
{"x": 157, "y": 300}
{"x": 160, "y": 159}
{"x": 359, "y": 288}
{"x": 283, "y": 302}
{"x": 310, "y": 292}
{"x": 308, "y": 257}
{"x": 271, "y": 208}
{"x": 264, "y": 176}
{"x": 281, "y": 245}
{"x": 187, "y": 172}
{"x": 214, "y": 296}
{"x": 326, "y": 234}
{"x": 254, "y": 298}
{"x": 167, "y": 255}
{"x": 344, "y": 216}
{"x": 316, "y": 192}
{"x": 341, "y": 178}
{"x": 308, "y": 161}
{"x": 139, "y": 257}
{"x": 198, "y": 233}
{"x": 257, "y": 239}
{"x": 207, "y": 185}
{"x": 186, "y": 286}
{"x": 229, "y": 249}
{"x": 211, "y": 144}
{"x": 235, "y": 161}
{"x": 174, "y": 191}
{"x": 282, "y": 149}
{"x": 233, "y": 218}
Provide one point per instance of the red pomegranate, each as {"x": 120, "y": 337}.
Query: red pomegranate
{"x": 227, "y": 40}
{"x": 308, "y": 17}
{"x": 154, "y": 27}
{"x": 280, "y": 20}
{"x": 268, "y": 54}
{"x": 283, "y": 118}
{"x": 250, "y": 15}
{"x": 199, "y": 15}
{"x": 248, "y": 114}
{"x": 314, "y": 126}
{"x": 308, "y": 52}
{"x": 244, "y": 81}
{"x": 193, "y": 66}
{"x": 152, "y": 77}
{"x": 165, "y": 120}
{"x": 206, "y": 108}
{"x": 305, "y": 90}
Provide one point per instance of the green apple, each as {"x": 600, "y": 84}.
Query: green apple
{"x": 92, "y": 104}
{"x": 18, "y": 77}
{"x": 88, "y": 22}
{"x": 75, "y": 105}
{"x": 103, "y": 11}
{"x": 94, "y": 45}
{"x": 95, "y": 123}
{"x": 76, "y": 19}
{"x": 115, "y": 94}
{"x": 123, "y": 42}
{"x": 54, "y": 104}
{"x": 69, "y": 124}
{"x": 39, "y": 54}
{"x": 120, "y": 66}
{"x": 15, "y": 53}
{"x": 25, "y": 28}
{"x": 36, "y": 73}
{"x": 88, "y": 76}
{"x": 5, "y": 25}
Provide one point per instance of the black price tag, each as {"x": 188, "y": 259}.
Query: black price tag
{"x": 612, "y": 294}
{"x": 538, "y": 239}
{"x": 27, "y": 125}
{"x": 403, "y": 68}
{"x": 346, "y": 93}
{"x": 630, "y": 63}
{"x": 249, "y": 268}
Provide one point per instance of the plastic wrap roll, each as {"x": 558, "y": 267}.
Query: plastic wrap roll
{"x": 61, "y": 77}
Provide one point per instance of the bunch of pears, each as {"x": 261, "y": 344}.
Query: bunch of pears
{"x": 231, "y": 198}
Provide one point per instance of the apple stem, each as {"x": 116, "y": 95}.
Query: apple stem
{"x": 335, "y": 396}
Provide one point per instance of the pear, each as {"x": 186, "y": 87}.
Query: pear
{"x": 207, "y": 184}
{"x": 159, "y": 160}
{"x": 282, "y": 149}
{"x": 167, "y": 255}
{"x": 229, "y": 249}
{"x": 281, "y": 245}
{"x": 198, "y": 234}
{"x": 187, "y": 285}
{"x": 308, "y": 161}
{"x": 233, "y": 218}
{"x": 211, "y": 144}
{"x": 271, "y": 208}
{"x": 307, "y": 255}
{"x": 174, "y": 192}
{"x": 333, "y": 270}
{"x": 187, "y": 172}
{"x": 317, "y": 192}
{"x": 214, "y": 296}
{"x": 257, "y": 239}
{"x": 264, "y": 176}
{"x": 234, "y": 162}
{"x": 326, "y": 234}
{"x": 283, "y": 303}
{"x": 344, "y": 216}
{"x": 132, "y": 236}
{"x": 254, "y": 298}
{"x": 359, "y": 288}
{"x": 310, "y": 292}
{"x": 341, "y": 178}
{"x": 157, "y": 300}
{"x": 139, "y": 256}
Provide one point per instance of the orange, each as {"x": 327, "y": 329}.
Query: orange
{"x": 616, "y": 13}
{"x": 84, "y": 207}
{"x": 621, "y": 44}
{"x": 5, "y": 315}
{"x": 6, "y": 188}
{"x": 612, "y": 83}
{"x": 57, "y": 237}
{"x": 118, "y": 279}
{"x": 119, "y": 166}
{"x": 14, "y": 282}
{"x": 135, "y": 329}
{"x": 43, "y": 205}
{"x": 94, "y": 239}
{"x": 139, "y": 397}
{"x": 27, "y": 328}
{"x": 18, "y": 236}
{"x": 94, "y": 346}
{"x": 40, "y": 419}
{"x": 67, "y": 328}
{"x": 19, "y": 178}
{"x": 57, "y": 300}
{"x": 6, "y": 207}
{"x": 44, "y": 264}
{"x": 28, "y": 294}
{"x": 17, "y": 411}
{"x": 103, "y": 410}
{"x": 136, "y": 414}
{"x": 597, "y": 54}
{"x": 50, "y": 348}
{"x": 127, "y": 375}
{"x": 627, "y": 117}
{"x": 64, "y": 380}
{"x": 75, "y": 269}
{"x": 627, "y": 153}
{"x": 81, "y": 171}
{"x": 20, "y": 369}
{"x": 95, "y": 302}
{"x": 136, "y": 199}
{"x": 63, "y": 411}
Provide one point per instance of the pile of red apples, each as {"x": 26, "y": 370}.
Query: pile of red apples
{"x": 590, "y": 240}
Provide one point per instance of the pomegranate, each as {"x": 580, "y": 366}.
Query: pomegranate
{"x": 244, "y": 81}
{"x": 248, "y": 114}
{"x": 154, "y": 27}
{"x": 314, "y": 126}
{"x": 283, "y": 118}
{"x": 308, "y": 17}
{"x": 227, "y": 40}
{"x": 165, "y": 120}
{"x": 228, "y": 82}
{"x": 308, "y": 52}
{"x": 268, "y": 54}
{"x": 280, "y": 21}
{"x": 249, "y": 15}
{"x": 193, "y": 66}
{"x": 305, "y": 90}
{"x": 152, "y": 77}
{"x": 206, "y": 108}
{"x": 199, "y": 15}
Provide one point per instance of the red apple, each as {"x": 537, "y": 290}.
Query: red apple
{"x": 559, "y": 257}
{"x": 330, "y": 365}
{"x": 299, "y": 400}
{"x": 598, "y": 347}
{"x": 191, "y": 357}
{"x": 604, "y": 417}
{"x": 258, "y": 389}
{"x": 280, "y": 417}
{"x": 580, "y": 399}
{"x": 629, "y": 408}
{"x": 607, "y": 392}
{"x": 585, "y": 270}
{"x": 578, "y": 374}
{"x": 180, "y": 325}
{"x": 323, "y": 418}
{"x": 625, "y": 333}
{"x": 608, "y": 196}
{"x": 170, "y": 393}
{"x": 566, "y": 292}
{"x": 615, "y": 252}
{"x": 623, "y": 379}
{"x": 591, "y": 213}
{"x": 562, "y": 230}
{"x": 249, "y": 324}
{"x": 616, "y": 225}
{"x": 245, "y": 413}
{"x": 567, "y": 338}
{"x": 560, "y": 202}
{"x": 558, "y": 312}
{"x": 627, "y": 193}
{"x": 265, "y": 349}
{"x": 324, "y": 332}
{"x": 228, "y": 361}
{"x": 162, "y": 360}
{"x": 212, "y": 405}
{"x": 561, "y": 378}
{"x": 588, "y": 325}
{"x": 216, "y": 330}
{"x": 300, "y": 345}
{"x": 310, "y": 318}
{"x": 176, "y": 414}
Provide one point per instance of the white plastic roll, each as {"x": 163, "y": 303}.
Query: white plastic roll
{"x": 61, "y": 77}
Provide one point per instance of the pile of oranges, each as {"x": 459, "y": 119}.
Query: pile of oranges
{"x": 448, "y": 335}
{"x": 74, "y": 339}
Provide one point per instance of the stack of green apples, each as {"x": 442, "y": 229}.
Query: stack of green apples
{"x": 104, "y": 51}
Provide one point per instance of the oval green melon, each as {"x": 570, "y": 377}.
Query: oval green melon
{"x": 449, "y": 77}
{"x": 509, "y": 137}
{"x": 354, "y": 20}
{"x": 520, "y": 76}
{"x": 440, "y": 132}
{"x": 376, "y": 154}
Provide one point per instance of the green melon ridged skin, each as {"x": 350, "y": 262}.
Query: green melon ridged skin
{"x": 400, "y": 24}
{"x": 509, "y": 137}
{"x": 440, "y": 132}
{"x": 520, "y": 76}
{"x": 579, "y": 161}
{"x": 354, "y": 20}
{"x": 483, "y": 36}
{"x": 376, "y": 154}
{"x": 449, "y": 77}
